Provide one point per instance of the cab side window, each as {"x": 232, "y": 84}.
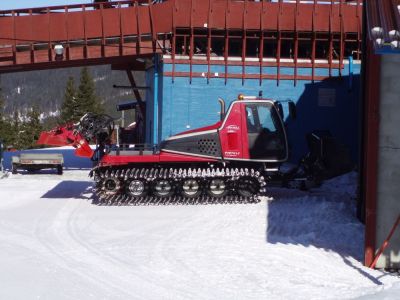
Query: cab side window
{"x": 251, "y": 121}
{"x": 266, "y": 120}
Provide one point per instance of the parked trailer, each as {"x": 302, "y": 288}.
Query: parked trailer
{"x": 37, "y": 161}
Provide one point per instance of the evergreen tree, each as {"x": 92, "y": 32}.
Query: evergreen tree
{"x": 2, "y": 102}
{"x": 16, "y": 127}
{"x": 86, "y": 96}
{"x": 2, "y": 123}
{"x": 31, "y": 129}
{"x": 69, "y": 108}
{"x": 5, "y": 130}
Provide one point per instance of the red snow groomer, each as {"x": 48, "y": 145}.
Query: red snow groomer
{"x": 229, "y": 159}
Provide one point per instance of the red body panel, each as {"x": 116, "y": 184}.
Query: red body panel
{"x": 156, "y": 158}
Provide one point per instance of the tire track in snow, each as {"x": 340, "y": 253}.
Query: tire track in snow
{"x": 181, "y": 237}
{"x": 126, "y": 277}
{"x": 184, "y": 272}
{"x": 71, "y": 256}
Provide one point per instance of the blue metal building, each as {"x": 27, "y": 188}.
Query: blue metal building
{"x": 178, "y": 104}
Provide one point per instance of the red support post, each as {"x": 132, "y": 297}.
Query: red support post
{"x": 279, "y": 44}
{"x": 226, "y": 52}
{"x": 261, "y": 53}
{"x": 342, "y": 38}
{"x": 103, "y": 38}
{"x": 314, "y": 42}
{"x": 296, "y": 41}
{"x": 152, "y": 26}
{"x": 67, "y": 50}
{"x": 85, "y": 49}
{"x": 173, "y": 54}
{"x": 330, "y": 58}
{"x": 209, "y": 26}
{"x": 14, "y": 48}
{"x": 359, "y": 26}
{"x": 191, "y": 50}
{"x": 32, "y": 49}
{"x": 371, "y": 140}
{"x": 244, "y": 45}
{"x": 139, "y": 34}
{"x": 121, "y": 32}
{"x": 49, "y": 44}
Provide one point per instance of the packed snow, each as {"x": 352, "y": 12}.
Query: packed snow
{"x": 55, "y": 243}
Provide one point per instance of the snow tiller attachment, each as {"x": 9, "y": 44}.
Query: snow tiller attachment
{"x": 230, "y": 159}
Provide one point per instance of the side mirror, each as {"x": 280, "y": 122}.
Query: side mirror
{"x": 222, "y": 113}
{"x": 292, "y": 110}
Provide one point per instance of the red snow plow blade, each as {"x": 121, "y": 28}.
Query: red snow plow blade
{"x": 65, "y": 136}
{"x": 50, "y": 138}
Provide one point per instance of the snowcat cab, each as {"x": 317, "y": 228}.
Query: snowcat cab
{"x": 252, "y": 130}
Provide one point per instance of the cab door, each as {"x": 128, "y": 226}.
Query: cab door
{"x": 266, "y": 137}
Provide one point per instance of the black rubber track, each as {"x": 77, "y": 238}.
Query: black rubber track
{"x": 176, "y": 176}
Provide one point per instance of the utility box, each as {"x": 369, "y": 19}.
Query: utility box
{"x": 37, "y": 161}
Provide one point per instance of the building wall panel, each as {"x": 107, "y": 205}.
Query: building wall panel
{"x": 388, "y": 205}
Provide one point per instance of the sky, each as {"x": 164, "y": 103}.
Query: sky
{"x": 7, "y": 4}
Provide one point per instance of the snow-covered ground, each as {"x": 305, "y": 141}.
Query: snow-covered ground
{"x": 56, "y": 244}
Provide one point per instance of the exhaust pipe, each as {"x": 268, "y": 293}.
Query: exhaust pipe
{"x": 222, "y": 103}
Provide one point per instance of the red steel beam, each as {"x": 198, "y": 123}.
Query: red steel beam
{"x": 371, "y": 141}
{"x": 135, "y": 28}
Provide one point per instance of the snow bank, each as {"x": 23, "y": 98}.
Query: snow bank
{"x": 55, "y": 244}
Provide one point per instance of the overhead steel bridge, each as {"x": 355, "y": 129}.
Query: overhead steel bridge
{"x": 293, "y": 33}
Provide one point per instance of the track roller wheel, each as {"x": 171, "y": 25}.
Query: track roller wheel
{"x": 191, "y": 188}
{"x": 136, "y": 188}
{"x": 162, "y": 188}
{"x": 247, "y": 187}
{"x": 217, "y": 188}
{"x": 111, "y": 186}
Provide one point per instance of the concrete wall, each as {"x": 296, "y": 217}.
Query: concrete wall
{"x": 389, "y": 161}
{"x": 330, "y": 104}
